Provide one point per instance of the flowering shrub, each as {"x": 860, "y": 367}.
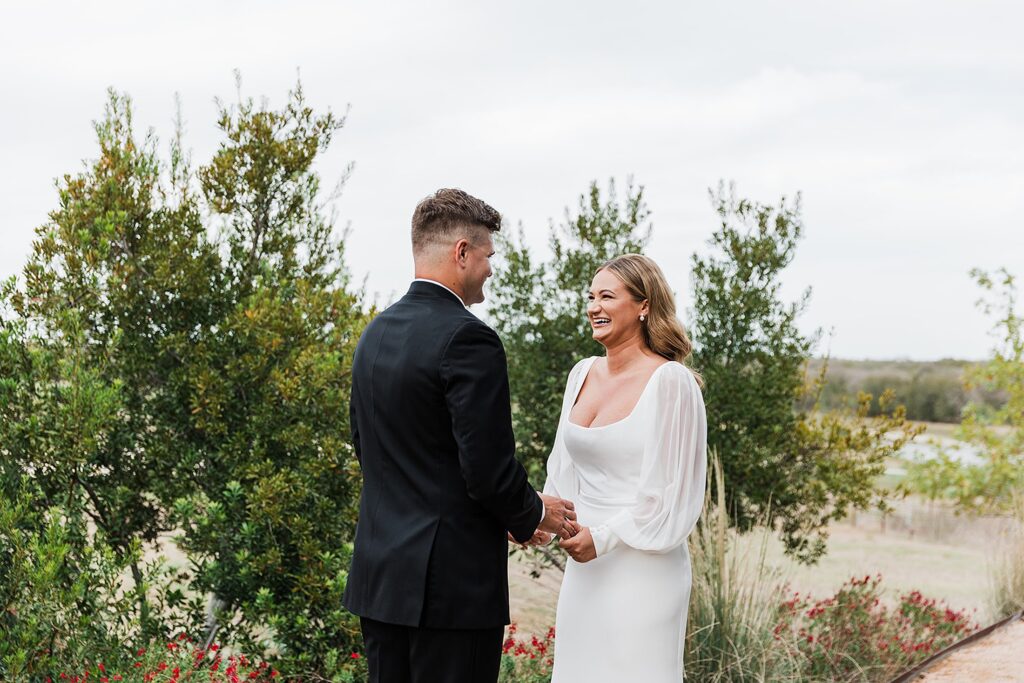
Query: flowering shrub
{"x": 525, "y": 661}
{"x": 853, "y": 636}
{"x": 182, "y": 660}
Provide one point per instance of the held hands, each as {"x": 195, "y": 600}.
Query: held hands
{"x": 539, "y": 538}
{"x": 559, "y": 517}
{"x": 581, "y": 546}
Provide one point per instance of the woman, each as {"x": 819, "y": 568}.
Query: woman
{"x": 630, "y": 452}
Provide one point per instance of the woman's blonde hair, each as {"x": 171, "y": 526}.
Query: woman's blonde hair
{"x": 663, "y": 333}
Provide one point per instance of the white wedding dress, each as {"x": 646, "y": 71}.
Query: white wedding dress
{"x": 639, "y": 485}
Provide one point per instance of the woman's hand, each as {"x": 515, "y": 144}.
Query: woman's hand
{"x": 581, "y": 546}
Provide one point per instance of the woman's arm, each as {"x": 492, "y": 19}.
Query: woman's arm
{"x": 672, "y": 476}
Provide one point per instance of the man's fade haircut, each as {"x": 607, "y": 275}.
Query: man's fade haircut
{"x": 438, "y": 217}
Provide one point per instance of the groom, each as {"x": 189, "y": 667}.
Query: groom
{"x": 431, "y": 425}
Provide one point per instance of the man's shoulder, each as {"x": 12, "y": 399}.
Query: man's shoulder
{"x": 468, "y": 328}
{"x": 430, "y": 319}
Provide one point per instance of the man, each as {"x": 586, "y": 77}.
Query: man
{"x": 431, "y": 424}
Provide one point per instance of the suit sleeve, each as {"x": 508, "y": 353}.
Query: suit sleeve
{"x": 353, "y": 425}
{"x": 475, "y": 376}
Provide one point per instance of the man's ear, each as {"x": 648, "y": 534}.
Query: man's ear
{"x": 461, "y": 250}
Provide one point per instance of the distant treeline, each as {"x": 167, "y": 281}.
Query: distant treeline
{"x": 932, "y": 391}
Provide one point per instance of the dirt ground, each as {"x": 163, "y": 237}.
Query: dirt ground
{"x": 997, "y": 658}
{"x": 532, "y": 601}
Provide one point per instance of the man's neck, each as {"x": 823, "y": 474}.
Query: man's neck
{"x": 447, "y": 283}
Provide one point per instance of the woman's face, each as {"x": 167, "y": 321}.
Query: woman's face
{"x": 613, "y": 313}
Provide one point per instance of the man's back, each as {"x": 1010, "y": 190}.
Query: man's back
{"x": 431, "y": 419}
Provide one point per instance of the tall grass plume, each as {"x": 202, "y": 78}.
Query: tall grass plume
{"x": 1006, "y": 574}
{"x": 734, "y": 603}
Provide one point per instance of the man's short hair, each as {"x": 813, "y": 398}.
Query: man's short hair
{"x": 438, "y": 217}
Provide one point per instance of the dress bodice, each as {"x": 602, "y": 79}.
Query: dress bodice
{"x": 608, "y": 458}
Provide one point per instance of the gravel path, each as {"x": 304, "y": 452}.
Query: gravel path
{"x": 997, "y": 658}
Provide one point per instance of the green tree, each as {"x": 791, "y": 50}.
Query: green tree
{"x": 272, "y": 510}
{"x": 539, "y": 308}
{"x": 940, "y": 477}
{"x": 876, "y": 385}
{"x": 997, "y": 433}
{"x": 798, "y": 468}
{"x": 120, "y": 265}
{"x": 177, "y": 359}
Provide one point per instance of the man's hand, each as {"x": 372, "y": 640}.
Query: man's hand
{"x": 539, "y": 538}
{"x": 581, "y": 546}
{"x": 559, "y": 516}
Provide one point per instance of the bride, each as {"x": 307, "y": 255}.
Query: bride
{"x": 630, "y": 452}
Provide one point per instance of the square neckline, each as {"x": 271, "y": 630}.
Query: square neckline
{"x": 583, "y": 380}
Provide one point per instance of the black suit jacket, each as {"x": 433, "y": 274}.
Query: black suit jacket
{"x": 432, "y": 428}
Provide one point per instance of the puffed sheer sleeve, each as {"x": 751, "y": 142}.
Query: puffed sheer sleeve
{"x": 673, "y": 471}
{"x": 562, "y": 480}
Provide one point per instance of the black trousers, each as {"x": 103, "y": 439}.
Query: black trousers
{"x": 407, "y": 654}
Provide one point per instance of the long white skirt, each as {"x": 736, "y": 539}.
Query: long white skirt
{"x": 622, "y": 616}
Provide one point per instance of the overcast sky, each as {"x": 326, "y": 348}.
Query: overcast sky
{"x": 902, "y": 123}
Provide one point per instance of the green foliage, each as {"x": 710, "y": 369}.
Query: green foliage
{"x": 274, "y": 481}
{"x": 60, "y": 597}
{"x": 178, "y": 360}
{"x": 999, "y": 434}
{"x": 794, "y": 467}
{"x": 838, "y": 458}
{"x": 995, "y": 430}
{"x": 538, "y": 308}
{"x": 854, "y": 636}
{"x": 526, "y": 661}
{"x": 941, "y": 477}
{"x": 927, "y": 396}
{"x": 110, "y": 275}
{"x": 931, "y": 391}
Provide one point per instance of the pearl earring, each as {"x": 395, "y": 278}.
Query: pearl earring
{"x": 641, "y": 318}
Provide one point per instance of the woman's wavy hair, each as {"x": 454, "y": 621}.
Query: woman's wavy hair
{"x": 663, "y": 333}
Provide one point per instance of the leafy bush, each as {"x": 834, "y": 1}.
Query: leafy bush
{"x": 274, "y": 481}
{"x": 525, "y": 661}
{"x": 853, "y": 636}
{"x": 181, "y": 658}
{"x": 790, "y": 466}
{"x": 999, "y": 434}
{"x": 175, "y": 358}
{"x": 61, "y": 596}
